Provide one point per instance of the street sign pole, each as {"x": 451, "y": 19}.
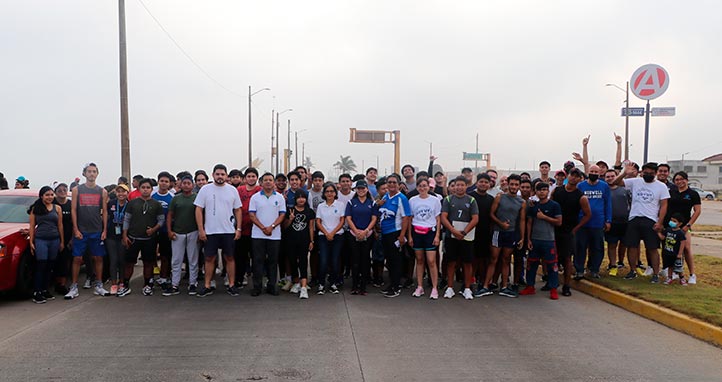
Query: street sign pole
{"x": 626, "y": 127}
{"x": 646, "y": 133}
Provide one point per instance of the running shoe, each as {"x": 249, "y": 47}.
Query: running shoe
{"x": 232, "y": 291}
{"x": 48, "y": 296}
{"x": 73, "y": 292}
{"x": 225, "y": 281}
{"x": 147, "y": 290}
{"x": 113, "y": 290}
{"x": 303, "y": 293}
{"x": 203, "y": 291}
{"x": 295, "y": 288}
{"x": 578, "y": 276}
{"x": 467, "y": 294}
{"x": 620, "y": 264}
{"x": 418, "y": 292}
{"x": 566, "y": 291}
{"x": 675, "y": 276}
{"x": 507, "y": 292}
{"x": 631, "y": 275}
{"x": 654, "y": 280}
{"x": 613, "y": 271}
{"x": 493, "y": 286}
{"x": 88, "y": 284}
{"x": 99, "y": 290}
{"x": 640, "y": 271}
{"x": 649, "y": 271}
{"x": 668, "y": 281}
{"x": 484, "y": 292}
{"x": 595, "y": 275}
{"x": 171, "y": 291}
{"x": 449, "y": 293}
{"x": 529, "y": 290}
{"x": 334, "y": 289}
{"x": 320, "y": 290}
{"x": 192, "y": 290}
{"x": 38, "y": 298}
{"x": 123, "y": 291}
{"x": 393, "y": 293}
{"x": 682, "y": 281}
{"x": 692, "y": 280}
{"x": 434, "y": 295}
{"x": 287, "y": 285}
{"x": 156, "y": 270}
{"x": 553, "y": 294}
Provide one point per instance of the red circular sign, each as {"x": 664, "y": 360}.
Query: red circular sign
{"x": 649, "y": 82}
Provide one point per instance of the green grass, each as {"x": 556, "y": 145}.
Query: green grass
{"x": 702, "y": 301}
{"x": 706, "y": 228}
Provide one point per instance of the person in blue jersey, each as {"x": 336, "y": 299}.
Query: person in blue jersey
{"x": 395, "y": 217}
{"x": 361, "y": 215}
{"x": 164, "y": 197}
{"x": 591, "y": 235}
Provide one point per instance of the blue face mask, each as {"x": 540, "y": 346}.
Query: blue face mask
{"x": 672, "y": 224}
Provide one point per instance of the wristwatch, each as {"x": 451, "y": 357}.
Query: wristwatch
{"x": 238, "y": 229}
{"x": 273, "y": 226}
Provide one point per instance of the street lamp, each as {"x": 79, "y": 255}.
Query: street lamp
{"x": 278, "y": 166}
{"x": 250, "y": 145}
{"x": 296, "y": 145}
{"x": 626, "y": 121}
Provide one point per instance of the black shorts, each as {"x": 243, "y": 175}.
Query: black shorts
{"x": 642, "y": 229}
{"x": 616, "y": 233}
{"x": 146, "y": 249}
{"x": 565, "y": 246}
{"x": 668, "y": 260}
{"x": 222, "y": 241}
{"x": 164, "y": 248}
{"x": 424, "y": 242}
{"x": 503, "y": 239}
{"x": 459, "y": 250}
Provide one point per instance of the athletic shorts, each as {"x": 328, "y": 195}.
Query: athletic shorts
{"x": 641, "y": 229}
{"x": 459, "y": 250}
{"x": 424, "y": 242}
{"x": 565, "y": 246}
{"x": 222, "y": 241}
{"x": 90, "y": 242}
{"x": 145, "y": 247}
{"x": 503, "y": 239}
{"x": 616, "y": 233}
{"x": 668, "y": 260}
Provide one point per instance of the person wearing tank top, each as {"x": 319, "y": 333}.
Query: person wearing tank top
{"x": 571, "y": 200}
{"x": 46, "y": 240}
{"x": 508, "y": 209}
{"x": 89, "y": 206}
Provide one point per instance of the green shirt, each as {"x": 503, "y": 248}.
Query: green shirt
{"x": 184, "y": 213}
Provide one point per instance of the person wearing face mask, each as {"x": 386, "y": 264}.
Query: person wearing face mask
{"x": 648, "y": 208}
{"x": 591, "y": 236}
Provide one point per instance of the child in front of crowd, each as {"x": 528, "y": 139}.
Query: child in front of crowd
{"x": 673, "y": 249}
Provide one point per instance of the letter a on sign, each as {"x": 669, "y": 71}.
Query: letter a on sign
{"x": 649, "y": 82}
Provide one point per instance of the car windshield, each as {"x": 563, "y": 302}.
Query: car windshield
{"x": 14, "y": 209}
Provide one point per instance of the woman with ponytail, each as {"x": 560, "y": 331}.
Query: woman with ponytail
{"x": 46, "y": 240}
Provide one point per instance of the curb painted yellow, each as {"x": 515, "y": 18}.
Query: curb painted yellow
{"x": 675, "y": 320}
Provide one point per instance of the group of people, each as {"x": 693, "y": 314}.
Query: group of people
{"x": 299, "y": 230}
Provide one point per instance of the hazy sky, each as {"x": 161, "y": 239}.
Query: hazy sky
{"x": 527, "y": 76}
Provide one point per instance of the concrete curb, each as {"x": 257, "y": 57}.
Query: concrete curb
{"x": 675, "y": 320}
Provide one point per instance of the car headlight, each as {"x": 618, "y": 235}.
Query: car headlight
{"x": 3, "y": 250}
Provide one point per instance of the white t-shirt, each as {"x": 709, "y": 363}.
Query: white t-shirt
{"x": 267, "y": 209}
{"x": 331, "y": 215}
{"x": 424, "y": 211}
{"x": 645, "y": 197}
{"x": 344, "y": 199}
{"x": 219, "y": 203}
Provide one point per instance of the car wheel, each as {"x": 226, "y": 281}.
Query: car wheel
{"x": 26, "y": 270}
{"x": 709, "y": 197}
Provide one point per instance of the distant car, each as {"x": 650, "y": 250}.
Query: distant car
{"x": 704, "y": 194}
{"x": 16, "y": 262}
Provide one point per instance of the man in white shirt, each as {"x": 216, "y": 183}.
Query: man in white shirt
{"x": 649, "y": 206}
{"x": 267, "y": 210}
{"x": 218, "y": 216}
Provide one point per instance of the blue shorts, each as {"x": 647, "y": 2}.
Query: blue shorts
{"x": 503, "y": 239}
{"x": 424, "y": 242}
{"x": 90, "y": 242}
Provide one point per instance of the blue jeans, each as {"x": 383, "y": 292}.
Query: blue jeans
{"x": 329, "y": 251}
{"x": 592, "y": 239}
{"x": 543, "y": 250}
{"x": 46, "y": 251}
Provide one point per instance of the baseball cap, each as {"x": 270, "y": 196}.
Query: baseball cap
{"x": 360, "y": 183}
{"x": 20, "y": 179}
{"x": 560, "y": 172}
{"x": 123, "y": 186}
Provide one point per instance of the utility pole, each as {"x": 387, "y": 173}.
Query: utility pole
{"x": 303, "y": 154}
{"x": 124, "y": 130}
{"x": 626, "y": 127}
{"x": 288, "y": 151}
{"x": 278, "y": 146}
{"x": 476, "y": 163}
{"x": 295, "y": 148}
{"x": 250, "y": 156}
{"x": 273, "y": 112}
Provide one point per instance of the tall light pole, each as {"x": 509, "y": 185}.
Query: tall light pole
{"x": 296, "y": 146}
{"x": 124, "y": 130}
{"x": 278, "y": 139}
{"x": 626, "y": 119}
{"x": 250, "y": 145}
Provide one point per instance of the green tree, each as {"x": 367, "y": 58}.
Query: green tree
{"x": 345, "y": 164}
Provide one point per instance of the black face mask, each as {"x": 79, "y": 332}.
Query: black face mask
{"x": 649, "y": 178}
{"x": 593, "y": 177}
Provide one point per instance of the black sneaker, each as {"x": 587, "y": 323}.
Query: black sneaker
{"x": 38, "y": 298}
{"x": 507, "y": 292}
{"x": 232, "y": 291}
{"x": 481, "y": 292}
{"x": 192, "y": 290}
{"x": 48, "y": 296}
{"x": 171, "y": 291}
{"x": 620, "y": 264}
{"x": 392, "y": 293}
{"x": 655, "y": 279}
{"x": 578, "y": 276}
{"x": 203, "y": 292}
{"x": 631, "y": 275}
{"x": 255, "y": 292}
{"x": 566, "y": 291}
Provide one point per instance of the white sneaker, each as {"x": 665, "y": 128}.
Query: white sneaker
{"x": 649, "y": 271}
{"x": 418, "y": 292}
{"x": 245, "y": 280}
{"x": 468, "y": 295}
{"x": 304, "y": 293}
{"x": 225, "y": 280}
{"x": 87, "y": 284}
{"x": 675, "y": 276}
{"x": 100, "y": 291}
{"x": 286, "y": 285}
{"x": 449, "y": 293}
{"x": 663, "y": 273}
{"x": 72, "y": 293}
{"x": 692, "y": 279}
{"x": 296, "y": 288}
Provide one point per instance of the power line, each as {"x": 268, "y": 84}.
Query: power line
{"x": 193, "y": 61}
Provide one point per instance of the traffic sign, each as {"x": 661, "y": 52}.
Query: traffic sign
{"x": 473, "y": 156}
{"x": 664, "y": 111}
{"x": 649, "y": 82}
{"x": 634, "y": 112}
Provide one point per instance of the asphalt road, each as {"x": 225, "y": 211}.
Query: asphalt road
{"x": 342, "y": 338}
{"x": 711, "y": 213}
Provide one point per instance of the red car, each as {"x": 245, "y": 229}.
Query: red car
{"x": 16, "y": 262}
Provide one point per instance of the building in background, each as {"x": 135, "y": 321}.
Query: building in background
{"x": 705, "y": 174}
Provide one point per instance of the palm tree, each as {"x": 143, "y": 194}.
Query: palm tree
{"x": 346, "y": 164}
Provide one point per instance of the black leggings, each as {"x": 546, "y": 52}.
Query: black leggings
{"x": 361, "y": 262}
{"x": 298, "y": 256}
{"x": 394, "y": 257}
